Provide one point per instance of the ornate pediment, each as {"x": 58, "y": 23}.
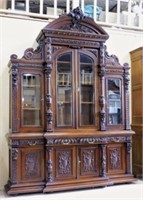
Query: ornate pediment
{"x": 74, "y": 22}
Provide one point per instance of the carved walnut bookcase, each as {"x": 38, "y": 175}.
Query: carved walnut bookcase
{"x": 69, "y": 111}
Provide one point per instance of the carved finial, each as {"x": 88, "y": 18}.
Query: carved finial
{"x": 77, "y": 15}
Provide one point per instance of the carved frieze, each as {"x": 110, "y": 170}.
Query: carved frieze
{"x": 31, "y": 142}
{"x": 89, "y": 140}
{"x": 79, "y": 43}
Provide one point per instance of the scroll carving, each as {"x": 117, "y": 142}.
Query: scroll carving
{"x": 31, "y": 54}
{"x": 87, "y": 140}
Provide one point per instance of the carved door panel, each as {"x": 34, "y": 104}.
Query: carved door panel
{"x": 116, "y": 159}
{"x": 88, "y": 161}
{"x": 31, "y": 164}
{"x": 61, "y": 163}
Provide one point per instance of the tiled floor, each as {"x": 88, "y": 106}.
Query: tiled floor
{"x": 132, "y": 191}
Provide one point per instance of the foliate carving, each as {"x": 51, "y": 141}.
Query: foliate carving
{"x": 80, "y": 43}
{"x": 103, "y": 160}
{"x": 14, "y": 153}
{"x": 101, "y": 101}
{"x": 77, "y": 16}
{"x": 55, "y": 48}
{"x": 32, "y": 165}
{"x": 128, "y": 150}
{"x": 64, "y": 162}
{"x": 115, "y": 158}
{"x": 15, "y": 143}
{"x": 88, "y": 140}
{"x": 31, "y": 54}
{"x": 102, "y": 54}
{"x": 101, "y": 71}
{"x": 126, "y": 76}
{"x": 102, "y": 116}
{"x": 14, "y": 74}
{"x": 31, "y": 142}
{"x": 14, "y": 165}
{"x": 111, "y": 60}
{"x": 48, "y": 70}
{"x": 88, "y": 161}
{"x": 49, "y": 115}
{"x": 50, "y": 165}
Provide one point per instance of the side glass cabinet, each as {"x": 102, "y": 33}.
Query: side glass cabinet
{"x": 114, "y": 102}
{"x": 31, "y": 100}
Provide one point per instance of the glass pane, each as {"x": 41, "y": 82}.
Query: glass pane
{"x": 114, "y": 101}
{"x": 86, "y": 91}
{"x": 64, "y": 91}
{"x": 31, "y": 104}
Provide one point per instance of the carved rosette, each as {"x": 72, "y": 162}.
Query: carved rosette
{"x": 126, "y": 77}
{"x": 14, "y": 153}
{"x": 47, "y": 71}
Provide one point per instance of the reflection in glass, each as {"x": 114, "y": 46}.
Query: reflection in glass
{"x": 86, "y": 91}
{"x": 64, "y": 91}
{"x": 114, "y": 101}
{"x": 31, "y": 115}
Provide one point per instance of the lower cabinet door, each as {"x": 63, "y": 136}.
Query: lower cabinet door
{"x": 116, "y": 158}
{"x": 88, "y": 161}
{"x": 31, "y": 164}
{"x": 61, "y": 163}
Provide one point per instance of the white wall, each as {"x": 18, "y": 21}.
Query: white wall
{"x": 16, "y": 35}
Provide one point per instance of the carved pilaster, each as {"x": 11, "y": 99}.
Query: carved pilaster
{"x": 47, "y": 71}
{"x": 14, "y": 73}
{"x": 103, "y": 160}
{"x": 101, "y": 73}
{"x": 14, "y": 155}
{"x": 128, "y": 151}
{"x": 126, "y": 82}
{"x": 50, "y": 165}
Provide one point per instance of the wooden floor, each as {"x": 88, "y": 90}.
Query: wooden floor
{"x": 132, "y": 191}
